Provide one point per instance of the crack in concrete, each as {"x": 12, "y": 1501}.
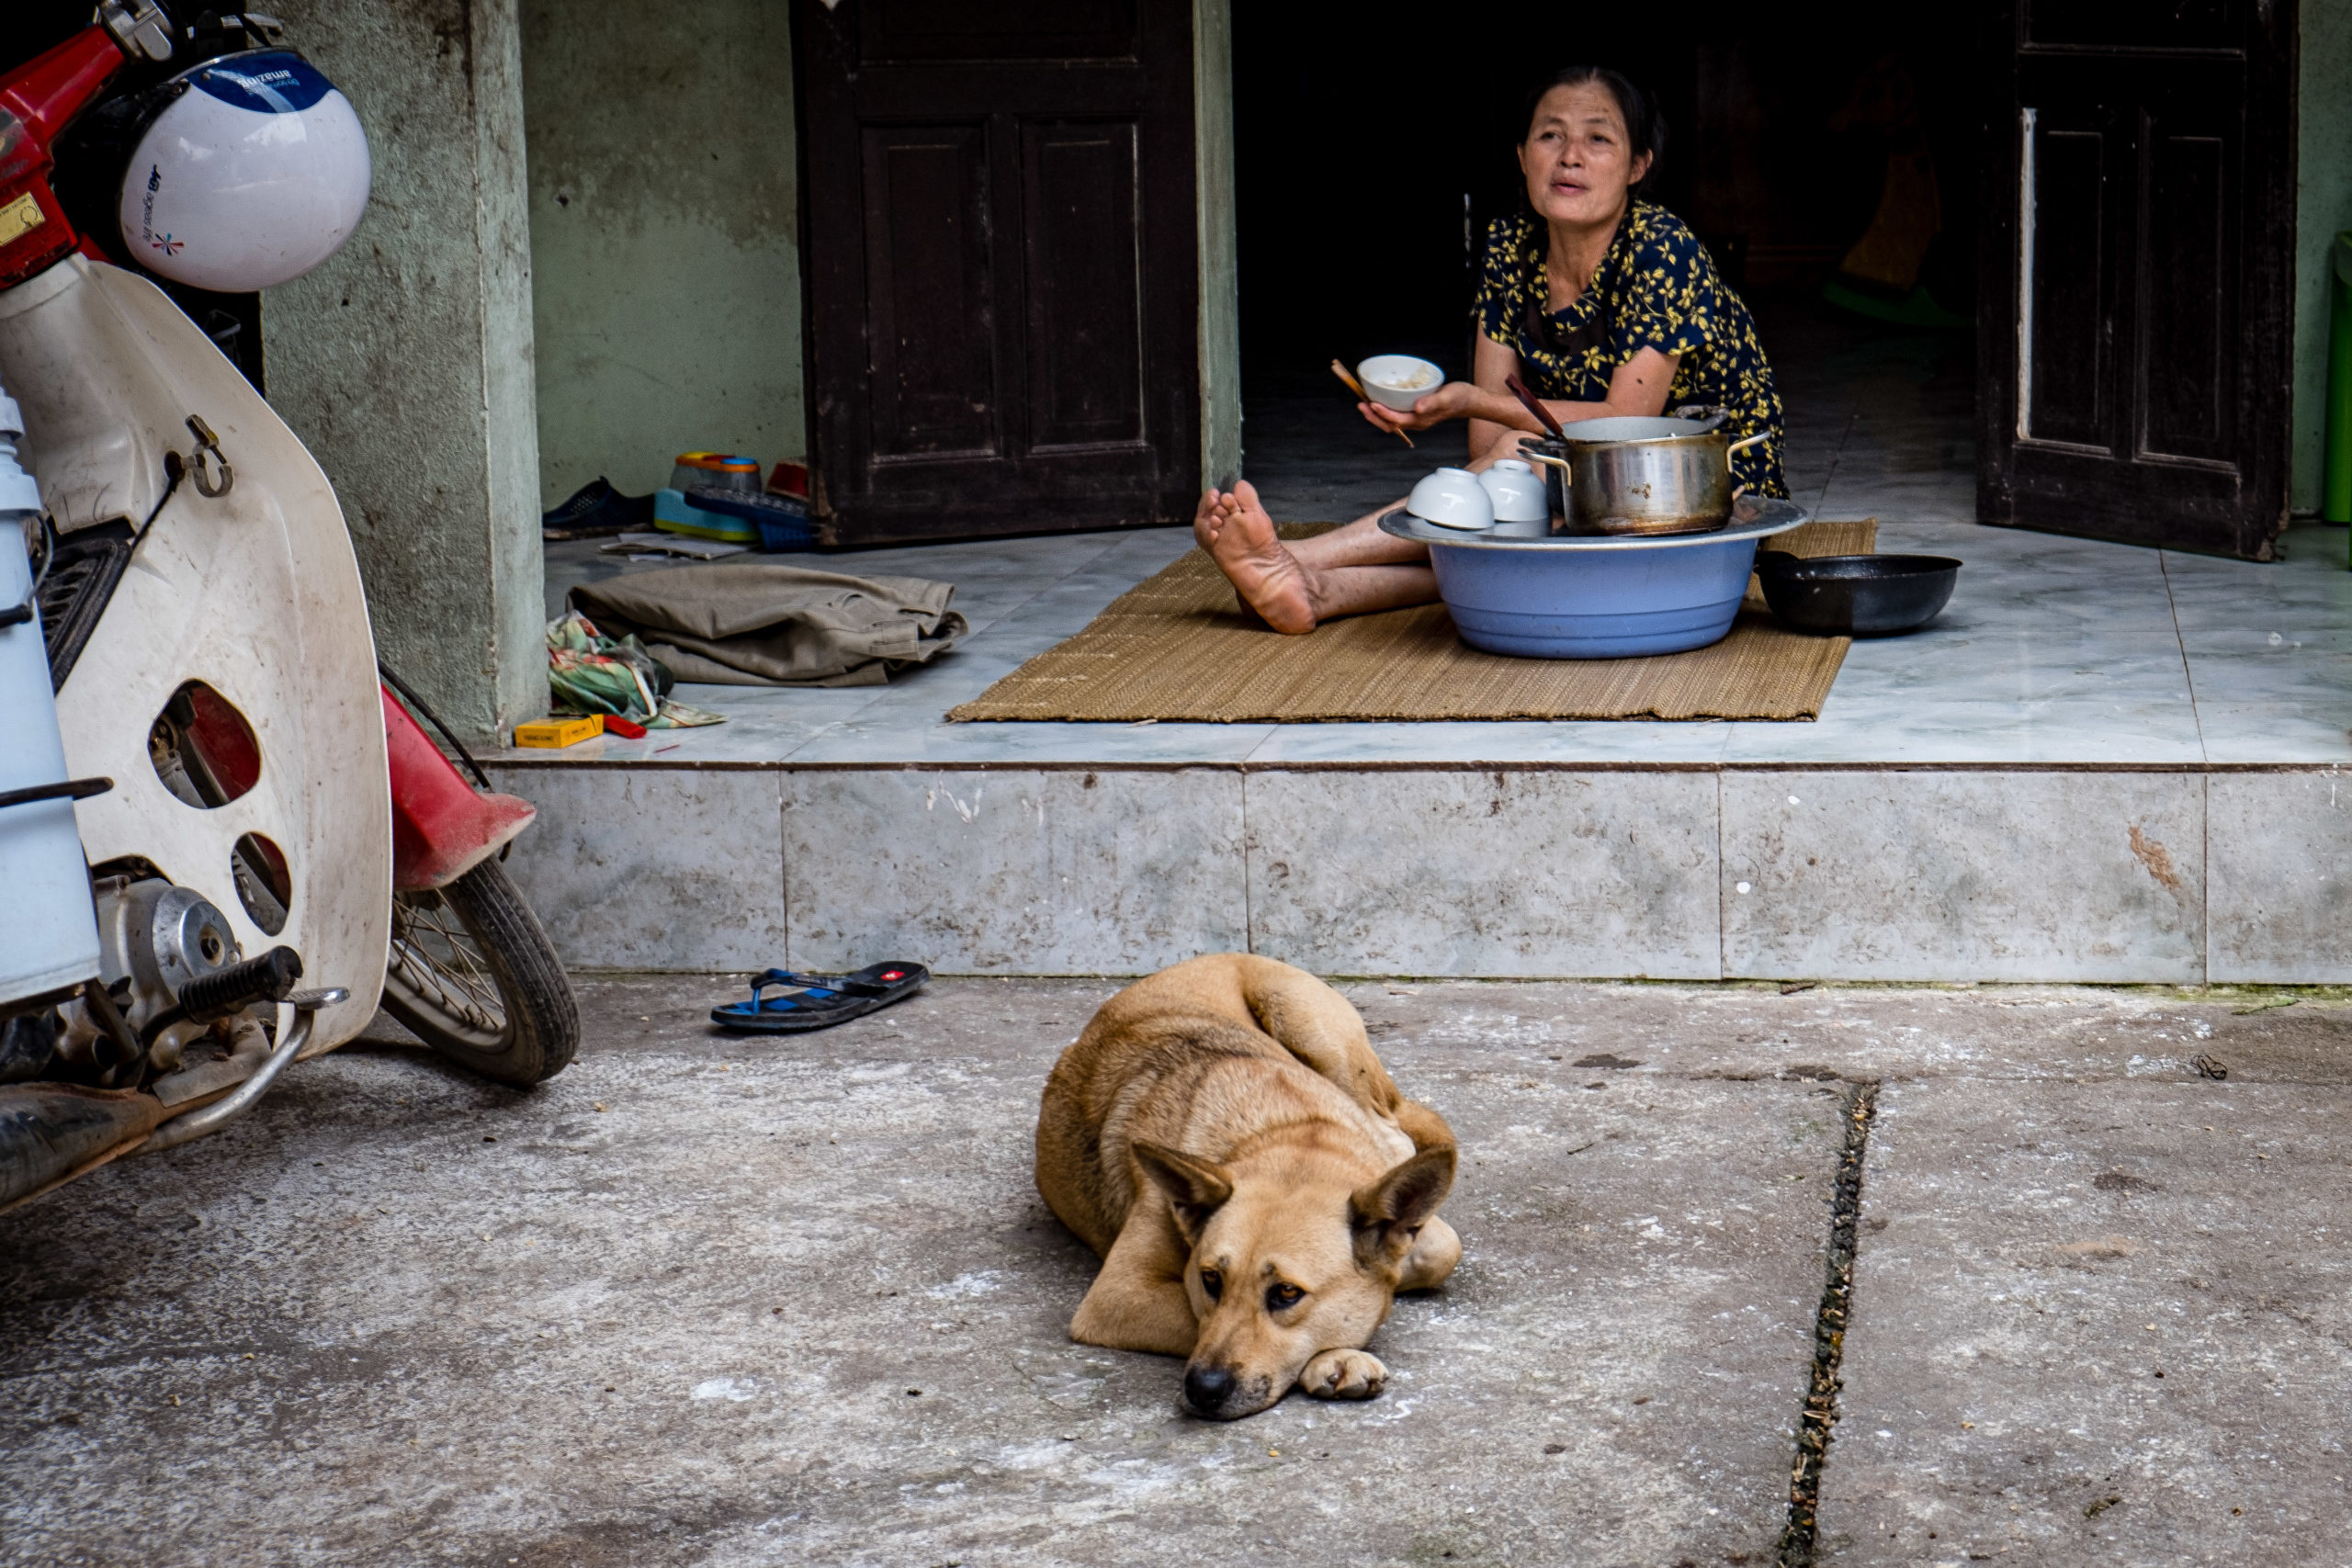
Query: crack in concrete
{"x": 1819, "y": 1416}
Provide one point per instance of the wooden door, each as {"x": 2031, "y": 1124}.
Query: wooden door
{"x": 2135, "y": 345}
{"x": 999, "y": 262}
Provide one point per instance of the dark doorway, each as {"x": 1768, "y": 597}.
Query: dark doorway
{"x": 2137, "y": 347}
{"x": 1002, "y": 283}
{"x": 1826, "y": 154}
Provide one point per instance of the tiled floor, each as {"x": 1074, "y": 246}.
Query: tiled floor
{"x": 2101, "y": 763}
{"x": 2054, "y": 650}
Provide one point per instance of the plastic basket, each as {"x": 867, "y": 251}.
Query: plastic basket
{"x": 783, "y": 520}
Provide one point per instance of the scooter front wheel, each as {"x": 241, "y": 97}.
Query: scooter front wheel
{"x": 473, "y": 976}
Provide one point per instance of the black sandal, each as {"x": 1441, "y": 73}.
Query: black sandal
{"x": 819, "y": 1001}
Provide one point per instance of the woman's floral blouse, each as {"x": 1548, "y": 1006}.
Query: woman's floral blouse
{"x": 1657, "y": 288}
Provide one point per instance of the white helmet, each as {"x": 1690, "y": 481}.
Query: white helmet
{"x": 255, "y": 173}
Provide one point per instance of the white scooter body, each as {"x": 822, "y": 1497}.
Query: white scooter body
{"x": 255, "y": 593}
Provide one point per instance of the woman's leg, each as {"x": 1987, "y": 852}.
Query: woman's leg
{"x": 1352, "y": 570}
{"x": 1294, "y": 584}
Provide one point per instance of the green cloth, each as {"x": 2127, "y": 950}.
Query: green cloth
{"x": 590, "y": 672}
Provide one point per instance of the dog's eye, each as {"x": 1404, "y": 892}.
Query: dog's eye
{"x": 1282, "y": 1298}
{"x": 1213, "y": 1283}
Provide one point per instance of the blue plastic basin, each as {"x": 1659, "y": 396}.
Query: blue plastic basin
{"x": 1593, "y": 604}
{"x": 1595, "y": 598}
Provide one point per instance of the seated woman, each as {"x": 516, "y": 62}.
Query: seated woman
{"x": 1601, "y": 303}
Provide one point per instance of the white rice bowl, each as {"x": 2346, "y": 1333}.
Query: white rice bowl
{"x": 1398, "y": 381}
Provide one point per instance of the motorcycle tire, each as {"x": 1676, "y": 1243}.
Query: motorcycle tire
{"x": 472, "y": 975}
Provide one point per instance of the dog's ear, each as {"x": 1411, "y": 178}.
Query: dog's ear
{"x": 1388, "y": 1214}
{"x": 1195, "y": 1187}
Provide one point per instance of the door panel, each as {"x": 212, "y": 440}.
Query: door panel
{"x": 1085, "y": 318}
{"x": 906, "y": 31}
{"x": 2103, "y": 25}
{"x": 928, "y": 279}
{"x": 2186, "y": 386}
{"x": 2134, "y": 331}
{"x": 2064, "y": 310}
{"x": 1001, "y": 274}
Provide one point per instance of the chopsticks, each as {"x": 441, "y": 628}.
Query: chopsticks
{"x": 1361, "y": 396}
{"x": 1518, "y": 388}
{"x": 1543, "y": 415}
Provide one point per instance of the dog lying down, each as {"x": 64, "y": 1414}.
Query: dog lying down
{"x": 1225, "y": 1138}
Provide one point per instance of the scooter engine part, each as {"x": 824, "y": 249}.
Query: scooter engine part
{"x": 28, "y": 1042}
{"x": 162, "y": 937}
{"x": 48, "y": 1130}
{"x": 93, "y": 1034}
{"x": 189, "y": 939}
{"x": 197, "y": 1124}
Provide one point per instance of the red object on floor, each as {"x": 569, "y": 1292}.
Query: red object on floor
{"x": 442, "y": 826}
{"x": 628, "y": 729}
{"x": 789, "y": 478}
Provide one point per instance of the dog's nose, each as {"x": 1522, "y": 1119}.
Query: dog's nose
{"x": 1207, "y": 1388}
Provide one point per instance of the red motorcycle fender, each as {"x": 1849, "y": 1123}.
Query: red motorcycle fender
{"x": 442, "y": 826}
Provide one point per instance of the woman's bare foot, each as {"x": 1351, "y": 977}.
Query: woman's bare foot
{"x": 1240, "y": 539}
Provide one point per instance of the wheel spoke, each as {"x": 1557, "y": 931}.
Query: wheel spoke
{"x": 438, "y": 962}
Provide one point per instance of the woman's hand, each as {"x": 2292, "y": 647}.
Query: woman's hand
{"x": 1455, "y": 400}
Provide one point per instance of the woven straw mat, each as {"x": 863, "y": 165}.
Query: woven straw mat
{"x": 1179, "y": 646}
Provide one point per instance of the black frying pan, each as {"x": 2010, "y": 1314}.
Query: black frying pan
{"x": 1855, "y": 595}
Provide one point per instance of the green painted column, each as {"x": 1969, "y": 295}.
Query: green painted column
{"x": 2336, "y": 500}
{"x": 405, "y": 362}
{"x": 2322, "y": 211}
{"x": 1219, "y": 249}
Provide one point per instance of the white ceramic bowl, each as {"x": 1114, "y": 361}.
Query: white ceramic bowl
{"x": 1382, "y": 371}
{"x": 1517, "y": 490}
{"x": 1452, "y": 498}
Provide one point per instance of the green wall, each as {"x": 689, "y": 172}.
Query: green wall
{"x": 1218, "y": 241}
{"x": 2324, "y": 205}
{"x": 405, "y": 363}
{"x": 664, "y": 244}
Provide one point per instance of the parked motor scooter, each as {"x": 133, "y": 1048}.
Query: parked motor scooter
{"x": 255, "y": 812}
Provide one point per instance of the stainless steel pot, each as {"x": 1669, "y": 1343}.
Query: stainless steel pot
{"x": 1629, "y": 475}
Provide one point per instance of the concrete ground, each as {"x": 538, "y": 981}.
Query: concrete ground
{"x": 713, "y": 1301}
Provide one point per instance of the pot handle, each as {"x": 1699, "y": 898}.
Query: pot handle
{"x": 1547, "y": 458}
{"x": 1739, "y": 446}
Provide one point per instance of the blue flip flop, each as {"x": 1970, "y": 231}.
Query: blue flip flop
{"x": 819, "y": 1001}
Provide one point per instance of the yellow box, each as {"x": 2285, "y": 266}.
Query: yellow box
{"x": 558, "y": 731}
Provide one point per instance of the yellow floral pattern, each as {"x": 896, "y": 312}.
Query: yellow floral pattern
{"x": 1657, "y": 288}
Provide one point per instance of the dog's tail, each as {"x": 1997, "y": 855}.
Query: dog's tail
{"x": 1425, "y": 1127}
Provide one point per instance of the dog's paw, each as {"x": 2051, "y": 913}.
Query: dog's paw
{"x": 1344, "y": 1374}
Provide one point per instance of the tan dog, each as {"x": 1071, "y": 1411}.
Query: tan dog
{"x": 1225, "y": 1138}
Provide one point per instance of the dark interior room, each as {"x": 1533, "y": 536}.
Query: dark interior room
{"x": 1825, "y": 155}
